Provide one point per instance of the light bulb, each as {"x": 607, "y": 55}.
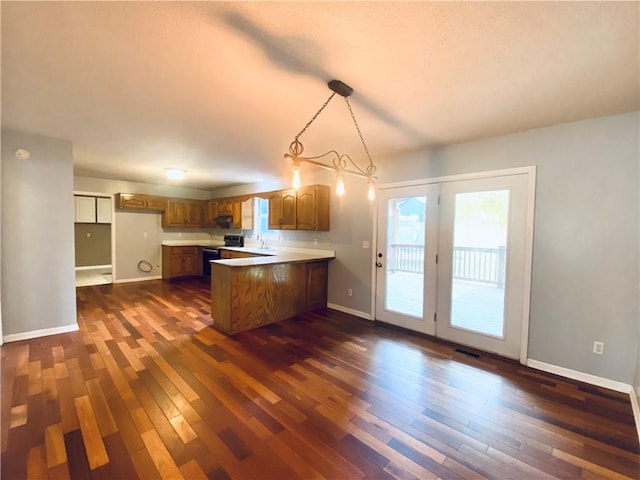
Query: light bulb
{"x": 340, "y": 185}
{"x": 371, "y": 192}
{"x": 296, "y": 183}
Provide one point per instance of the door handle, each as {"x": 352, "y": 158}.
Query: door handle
{"x": 378, "y": 264}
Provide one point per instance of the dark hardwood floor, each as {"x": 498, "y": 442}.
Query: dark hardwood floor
{"x": 146, "y": 389}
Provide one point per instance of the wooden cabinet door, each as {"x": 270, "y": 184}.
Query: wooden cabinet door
{"x": 158, "y": 204}
{"x": 237, "y": 214}
{"x": 247, "y": 214}
{"x": 210, "y": 213}
{"x": 189, "y": 264}
{"x": 313, "y": 208}
{"x": 175, "y": 214}
{"x": 289, "y": 210}
{"x": 130, "y": 201}
{"x": 306, "y": 214}
{"x": 193, "y": 213}
{"x": 317, "y": 275}
{"x": 275, "y": 211}
{"x": 225, "y": 206}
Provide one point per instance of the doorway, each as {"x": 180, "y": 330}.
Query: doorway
{"x": 454, "y": 259}
{"x": 93, "y": 239}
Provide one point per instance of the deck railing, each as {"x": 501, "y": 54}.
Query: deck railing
{"x": 485, "y": 265}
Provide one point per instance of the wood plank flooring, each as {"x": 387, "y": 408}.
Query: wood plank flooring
{"x": 146, "y": 389}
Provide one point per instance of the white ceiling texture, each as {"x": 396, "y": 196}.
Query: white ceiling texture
{"x": 221, "y": 88}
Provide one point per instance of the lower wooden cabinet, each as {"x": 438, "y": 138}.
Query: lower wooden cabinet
{"x": 181, "y": 261}
{"x": 317, "y": 276}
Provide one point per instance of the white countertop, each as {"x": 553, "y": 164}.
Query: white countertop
{"x": 192, "y": 243}
{"x": 275, "y": 255}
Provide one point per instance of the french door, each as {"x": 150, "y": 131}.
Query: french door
{"x": 406, "y": 257}
{"x": 452, "y": 260}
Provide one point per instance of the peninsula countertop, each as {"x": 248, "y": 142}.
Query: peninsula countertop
{"x": 274, "y": 256}
{"x": 192, "y": 243}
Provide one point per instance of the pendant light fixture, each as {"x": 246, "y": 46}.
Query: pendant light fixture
{"x": 335, "y": 161}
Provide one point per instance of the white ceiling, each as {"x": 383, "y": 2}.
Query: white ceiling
{"x": 221, "y": 89}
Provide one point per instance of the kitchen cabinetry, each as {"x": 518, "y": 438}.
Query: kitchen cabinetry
{"x": 181, "y": 212}
{"x": 317, "y": 277}
{"x": 181, "y": 261}
{"x": 210, "y": 208}
{"x": 227, "y": 254}
{"x": 243, "y": 214}
{"x": 244, "y": 297}
{"x": 85, "y": 209}
{"x": 306, "y": 209}
{"x": 90, "y": 209}
{"x": 225, "y": 206}
{"x": 282, "y": 210}
{"x": 139, "y": 201}
{"x": 103, "y": 210}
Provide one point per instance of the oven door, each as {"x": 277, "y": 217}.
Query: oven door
{"x": 208, "y": 254}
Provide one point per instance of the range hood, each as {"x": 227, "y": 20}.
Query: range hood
{"x": 224, "y": 221}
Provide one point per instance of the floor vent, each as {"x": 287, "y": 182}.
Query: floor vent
{"x": 471, "y": 354}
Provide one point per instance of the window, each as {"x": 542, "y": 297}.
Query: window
{"x": 262, "y": 231}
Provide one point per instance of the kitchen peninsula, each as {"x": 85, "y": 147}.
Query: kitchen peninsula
{"x": 254, "y": 287}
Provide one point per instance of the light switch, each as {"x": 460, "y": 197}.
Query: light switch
{"x": 88, "y": 234}
{"x": 145, "y": 235}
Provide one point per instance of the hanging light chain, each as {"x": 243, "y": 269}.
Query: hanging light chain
{"x": 315, "y": 116}
{"x": 371, "y": 169}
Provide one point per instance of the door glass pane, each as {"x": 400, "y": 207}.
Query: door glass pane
{"x": 405, "y": 255}
{"x": 479, "y": 261}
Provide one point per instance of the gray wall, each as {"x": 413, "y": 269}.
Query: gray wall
{"x": 138, "y": 234}
{"x": 92, "y": 244}
{"x": 585, "y": 249}
{"x": 38, "y": 280}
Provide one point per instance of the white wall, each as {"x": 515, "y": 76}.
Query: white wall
{"x": 37, "y": 255}
{"x": 585, "y": 250}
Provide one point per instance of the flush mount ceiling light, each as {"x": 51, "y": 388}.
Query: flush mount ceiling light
{"x": 338, "y": 162}
{"x": 175, "y": 173}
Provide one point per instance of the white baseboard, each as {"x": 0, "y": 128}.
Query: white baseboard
{"x": 15, "y": 337}
{"x": 581, "y": 376}
{"x": 350, "y": 311}
{"x": 93, "y": 267}
{"x": 139, "y": 279}
{"x": 634, "y": 393}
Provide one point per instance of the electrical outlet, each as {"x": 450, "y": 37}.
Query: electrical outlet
{"x": 349, "y": 292}
{"x": 145, "y": 234}
{"x": 179, "y": 234}
{"x": 315, "y": 241}
{"x": 598, "y": 348}
{"x": 365, "y": 244}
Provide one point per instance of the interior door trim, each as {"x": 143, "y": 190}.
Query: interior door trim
{"x": 530, "y": 171}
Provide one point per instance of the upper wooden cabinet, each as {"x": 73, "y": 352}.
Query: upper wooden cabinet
{"x": 210, "y": 208}
{"x": 139, "y": 201}
{"x": 282, "y": 210}
{"x": 225, "y": 206}
{"x": 313, "y": 208}
{"x": 306, "y": 209}
{"x": 181, "y": 212}
{"x": 243, "y": 214}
